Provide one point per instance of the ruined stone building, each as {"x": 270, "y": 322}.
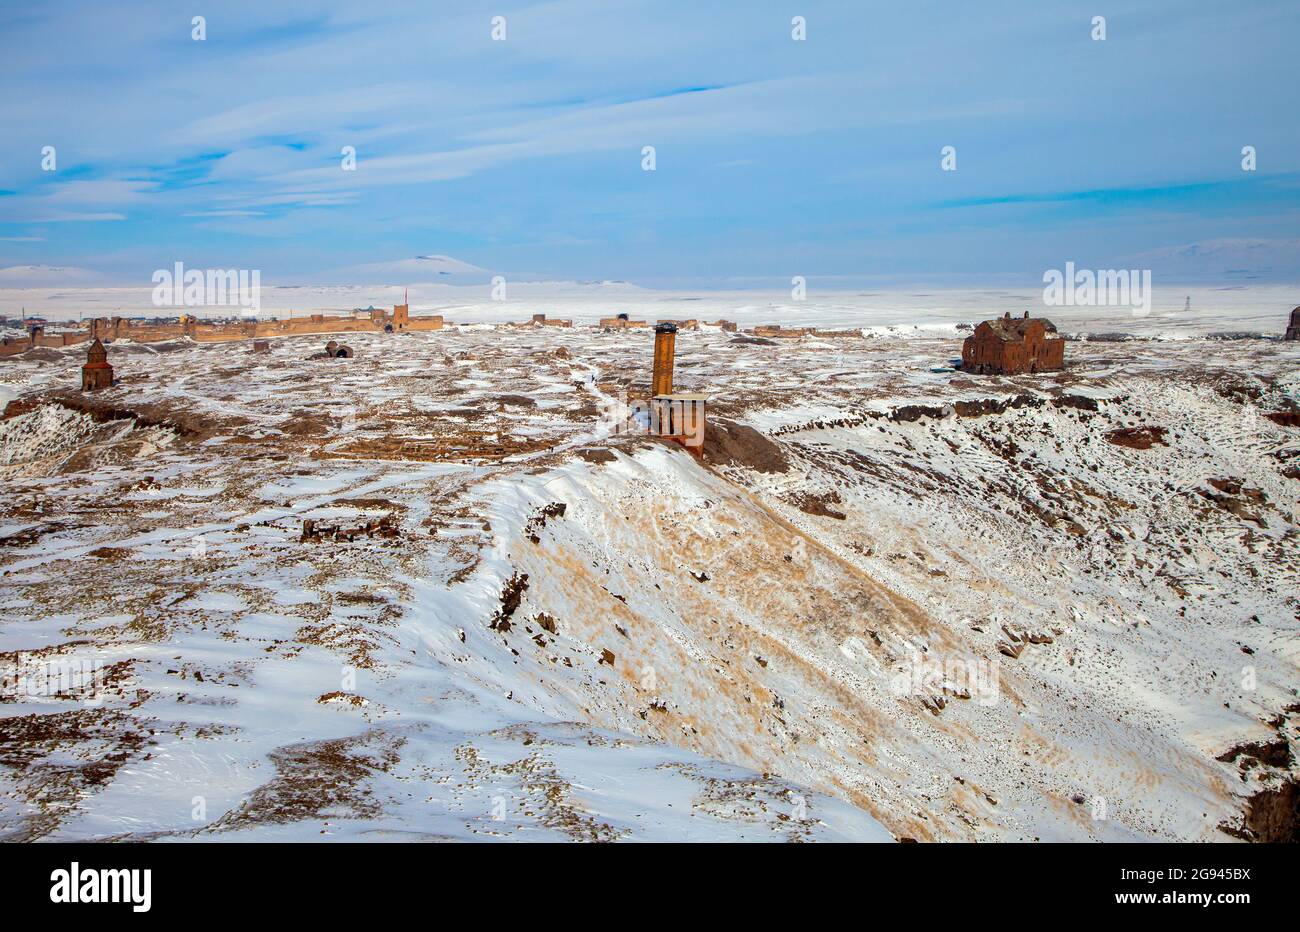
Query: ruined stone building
{"x": 37, "y": 336}
{"x": 1293, "y": 329}
{"x": 776, "y": 330}
{"x": 541, "y": 320}
{"x": 621, "y": 322}
{"x": 401, "y": 318}
{"x": 96, "y": 373}
{"x": 1011, "y": 346}
{"x": 677, "y": 416}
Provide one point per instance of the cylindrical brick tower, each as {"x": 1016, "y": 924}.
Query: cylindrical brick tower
{"x": 661, "y": 382}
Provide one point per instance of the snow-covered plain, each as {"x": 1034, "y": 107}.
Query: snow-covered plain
{"x": 1176, "y": 310}
{"x": 913, "y": 604}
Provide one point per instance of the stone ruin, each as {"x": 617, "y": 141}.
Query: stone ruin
{"x": 541, "y": 320}
{"x": 621, "y": 322}
{"x": 1293, "y": 329}
{"x": 675, "y": 416}
{"x": 776, "y": 330}
{"x": 96, "y": 374}
{"x": 313, "y": 532}
{"x": 1012, "y": 346}
{"x": 157, "y": 330}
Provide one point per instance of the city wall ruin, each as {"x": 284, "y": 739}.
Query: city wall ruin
{"x": 109, "y": 329}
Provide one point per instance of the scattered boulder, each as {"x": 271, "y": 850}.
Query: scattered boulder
{"x": 533, "y": 529}
{"x": 512, "y": 593}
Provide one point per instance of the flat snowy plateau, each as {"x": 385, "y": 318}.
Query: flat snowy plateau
{"x": 433, "y": 592}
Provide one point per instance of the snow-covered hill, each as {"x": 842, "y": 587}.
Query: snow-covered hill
{"x": 431, "y": 592}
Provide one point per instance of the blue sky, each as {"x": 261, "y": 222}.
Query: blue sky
{"x": 774, "y": 157}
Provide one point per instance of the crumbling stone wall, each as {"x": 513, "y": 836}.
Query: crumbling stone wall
{"x": 621, "y": 322}
{"x": 123, "y": 328}
{"x": 776, "y": 330}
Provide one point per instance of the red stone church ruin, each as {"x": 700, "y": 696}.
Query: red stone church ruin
{"x": 1012, "y": 346}
{"x": 96, "y": 373}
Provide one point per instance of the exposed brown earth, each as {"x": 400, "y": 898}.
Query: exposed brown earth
{"x": 1137, "y": 438}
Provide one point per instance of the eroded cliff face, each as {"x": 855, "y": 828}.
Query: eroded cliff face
{"x": 430, "y": 592}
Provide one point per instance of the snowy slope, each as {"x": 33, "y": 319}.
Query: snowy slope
{"x": 914, "y": 604}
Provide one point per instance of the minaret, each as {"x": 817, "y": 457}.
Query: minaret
{"x": 661, "y": 382}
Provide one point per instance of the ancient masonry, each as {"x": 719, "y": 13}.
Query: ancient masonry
{"x": 677, "y": 416}
{"x": 539, "y": 320}
{"x": 1011, "y": 346}
{"x": 1293, "y": 329}
{"x": 621, "y": 322}
{"x": 96, "y": 373}
{"x": 661, "y": 380}
{"x": 776, "y": 330}
{"x": 122, "y": 328}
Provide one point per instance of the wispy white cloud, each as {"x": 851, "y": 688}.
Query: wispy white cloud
{"x": 525, "y": 153}
{"x": 223, "y": 213}
{"x": 75, "y": 201}
{"x": 326, "y": 110}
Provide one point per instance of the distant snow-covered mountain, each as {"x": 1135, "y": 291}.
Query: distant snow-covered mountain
{"x": 420, "y": 269}
{"x": 1240, "y": 259}
{"x": 45, "y": 276}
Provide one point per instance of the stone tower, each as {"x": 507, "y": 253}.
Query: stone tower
{"x": 402, "y": 312}
{"x": 96, "y": 373}
{"x": 1293, "y": 330}
{"x": 661, "y": 382}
